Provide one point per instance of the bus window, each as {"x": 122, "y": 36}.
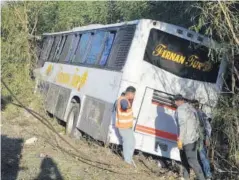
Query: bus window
{"x": 54, "y": 59}
{"x": 75, "y": 42}
{"x": 66, "y": 48}
{"x": 82, "y": 48}
{"x": 46, "y": 47}
{"x": 53, "y": 48}
{"x": 107, "y": 47}
{"x": 180, "y": 57}
{"x": 60, "y": 47}
{"x": 45, "y": 43}
{"x": 96, "y": 47}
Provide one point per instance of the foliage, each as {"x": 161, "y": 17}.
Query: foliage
{"x": 225, "y": 125}
{"x": 220, "y": 21}
{"x": 17, "y": 52}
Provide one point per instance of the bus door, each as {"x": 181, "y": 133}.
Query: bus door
{"x": 157, "y": 124}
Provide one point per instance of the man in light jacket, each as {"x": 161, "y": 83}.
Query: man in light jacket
{"x": 188, "y": 136}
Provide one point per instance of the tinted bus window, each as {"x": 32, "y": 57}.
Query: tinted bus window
{"x": 96, "y": 47}
{"x": 107, "y": 47}
{"x": 180, "y": 57}
{"x": 66, "y": 48}
{"x": 82, "y": 48}
{"x": 60, "y": 47}
{"x": 53, "y": 48}
{"x": 75, "y": 42}
{"x": 47, "y": 43}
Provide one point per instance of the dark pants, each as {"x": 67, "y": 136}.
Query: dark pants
{"x": 189, "y": 159}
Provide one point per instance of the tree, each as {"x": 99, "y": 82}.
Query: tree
{"x": 220, "y": 21}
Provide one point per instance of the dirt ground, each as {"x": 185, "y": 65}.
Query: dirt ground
{"x": 50, "y": 157}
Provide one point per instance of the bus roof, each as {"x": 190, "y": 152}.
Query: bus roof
{"x": 94, "y": 26}
{"x": 207, "y": 41}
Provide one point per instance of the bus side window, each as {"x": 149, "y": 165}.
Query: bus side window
{"x": 48, "y": 48}
{"x": 96, "y": 47}
{"x": 53, "y": 49}
{"x": 107, "y": 48}
{"x": 74, "y": 45}
{"x": 82, "y": 47}
{"x": 60, "y": 47}
{"x": 45, "y": 50}
{"x": 66, "y": 48}
{"x": 44, "y": 44}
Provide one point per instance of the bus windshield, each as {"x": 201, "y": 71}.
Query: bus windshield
{"x": 180, "y": 57}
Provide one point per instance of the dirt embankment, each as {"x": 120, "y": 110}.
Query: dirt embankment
{"x": 49, "y": 157}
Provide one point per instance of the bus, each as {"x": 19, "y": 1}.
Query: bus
{"x": 82, "y": 72}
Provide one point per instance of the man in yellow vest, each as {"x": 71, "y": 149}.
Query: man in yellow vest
{"x": 124, "y": 123}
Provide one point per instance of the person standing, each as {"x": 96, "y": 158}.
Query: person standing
{"x": 124, "y": 123}
{"x": 205, "y": 140}
{"x": 188, "y": 136}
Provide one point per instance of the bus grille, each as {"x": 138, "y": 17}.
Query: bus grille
{"x": 121, "y": 46}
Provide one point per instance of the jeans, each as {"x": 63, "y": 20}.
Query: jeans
{"x": 128, "y": 144}
{"x": 189, "y": 159}
{"x": 205, "y": 162}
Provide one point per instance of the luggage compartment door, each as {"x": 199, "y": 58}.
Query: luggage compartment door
{"x": 157, "y": 124}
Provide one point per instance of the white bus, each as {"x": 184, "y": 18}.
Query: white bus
{"x": 84, "y": 71}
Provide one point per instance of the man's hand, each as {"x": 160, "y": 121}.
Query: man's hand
{"x": 180, "y": 144}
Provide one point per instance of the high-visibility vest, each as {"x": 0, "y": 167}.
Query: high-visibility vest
{"x": 124, "y": 119}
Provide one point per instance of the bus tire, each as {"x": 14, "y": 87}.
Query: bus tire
{"x": 71, "y": 123}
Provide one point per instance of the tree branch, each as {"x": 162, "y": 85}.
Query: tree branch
{"x": 229, "y": 22}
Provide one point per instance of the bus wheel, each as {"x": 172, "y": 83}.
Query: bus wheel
{"x": 72, "y": 117}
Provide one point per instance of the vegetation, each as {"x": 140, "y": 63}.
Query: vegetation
{"x": 23, "y": 22}
{"x": 221, "y": 22}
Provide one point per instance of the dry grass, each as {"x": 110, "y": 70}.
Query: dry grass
{"x": 70, "y": 165}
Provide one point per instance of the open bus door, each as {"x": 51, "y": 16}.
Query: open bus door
{"x": 157, "y": 124}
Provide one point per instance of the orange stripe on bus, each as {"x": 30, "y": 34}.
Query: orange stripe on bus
{"x": 157, "y": 132}
{"x": 163, "y": 105}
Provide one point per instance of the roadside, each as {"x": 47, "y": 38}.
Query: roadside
{"x": 49, "y": 157}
